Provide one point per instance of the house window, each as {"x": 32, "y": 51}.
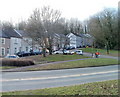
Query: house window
{"x": 26, "y": 49}
{"x": 20, "y": 49}
{"x": 8, "y": 50}
{"x": 16, "y": 41}
{"x": 3, "y": 51}
{"x": 3, "y": 40}
{"x": 15, "y": 50}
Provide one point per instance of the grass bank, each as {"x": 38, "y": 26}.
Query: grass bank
{"x": 102, "y": 51}
{"x": 96, "y": 88}
{"x": 38, "y": 59}
{"x": 53, "y": 58}
{"x": 78, "y": 64}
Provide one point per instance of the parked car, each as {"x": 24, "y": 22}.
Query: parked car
{"x": 79, "y": 52}
{"x": 58, "y": 52}
{"x": 72, "y": 47}
{"x": 11, "y": 56}
{"x": 67, "y": 52}
{"x": 23, "y": 54}
{"x": 36, "y": 53}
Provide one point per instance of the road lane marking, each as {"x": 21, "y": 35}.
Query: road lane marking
{"x": 76, "y": 75}
{"x": 39, "y": 82}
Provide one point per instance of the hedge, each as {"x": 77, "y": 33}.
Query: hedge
{"x": 17, "y": 62}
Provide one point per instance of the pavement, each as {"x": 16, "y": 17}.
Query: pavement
{"x": 101, "y": 56}
{"x": 16, "y": 81}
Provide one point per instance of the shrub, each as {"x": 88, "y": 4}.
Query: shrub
{"x": 17, "y": 62}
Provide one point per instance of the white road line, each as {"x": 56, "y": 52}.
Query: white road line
{"x": 77, "y": 75}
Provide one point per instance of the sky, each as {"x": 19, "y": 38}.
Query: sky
{"x": 17, "y": 10}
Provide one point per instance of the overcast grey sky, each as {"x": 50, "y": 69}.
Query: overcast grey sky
{"x": 15, "y": 10}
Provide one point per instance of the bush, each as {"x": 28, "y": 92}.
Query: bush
{"x": 17, "y": 62}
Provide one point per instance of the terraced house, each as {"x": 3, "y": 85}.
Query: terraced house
{"x": 13, "y": 41}
{"x": 10, "y": 42}
{"x": 80, "y": 40}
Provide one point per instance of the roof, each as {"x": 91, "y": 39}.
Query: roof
{"x": 9, "y": 32}
{"x": 88, "y": 35}
{"x": 82, "y": 35}
{"x": 2, "y": 34}
{"x": 22, "y": 33}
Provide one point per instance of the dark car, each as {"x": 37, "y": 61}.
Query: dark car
{"x": 36, "y": 53}
{"x": 23, "y": 54}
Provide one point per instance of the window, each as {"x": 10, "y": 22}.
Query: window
{"x": 3, "y": 51}
{"x": 8, "y": 50}
{"x": 16, "y": 41}
{"x": 3, "y": 40}
{"x": 26, "y": 49}
{"x": 20, "y": 49}
{"x": 15, "y": 50}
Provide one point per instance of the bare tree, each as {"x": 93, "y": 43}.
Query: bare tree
{"x": 103, "y": 26}
{"x": 7, "y": 25}
{"x": 75, "y": 26}
{"x": 21, "y": 25}
{"x": 41, "y": 26}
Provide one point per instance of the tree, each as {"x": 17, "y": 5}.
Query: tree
{"x": 103, "y": 26}
{"x": 7, "y": 25}
{"x": 42, "y": 26}
{"x": 75, "y": 26}
{"x": 21, "y": 25}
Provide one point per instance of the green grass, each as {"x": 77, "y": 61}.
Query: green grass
{"x": 54, "y": 58}
{"x": 78, "y": 64}
{"x": 7, "y": 67}
{"x": 102, "y": 51}
{"x": 96, "y": 88}
{"x": 38, "y": 59}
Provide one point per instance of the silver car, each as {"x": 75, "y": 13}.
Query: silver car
{"x": 79, "y": 52}
{"x": 11, "y": 56}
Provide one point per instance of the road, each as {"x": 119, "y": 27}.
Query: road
{"x": 15, "y": 81}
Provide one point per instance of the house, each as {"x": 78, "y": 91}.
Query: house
{"x": 88, "y": 40}
{"x": 4, "y": 43}
{"x": 27, "y": 43}
{"x": 80, "y": 40}
{"x": 10, "y": 42}
{"x": 14, "y": 41}
{"x": 75, "y": 40}
{"x": 59, "y": 41}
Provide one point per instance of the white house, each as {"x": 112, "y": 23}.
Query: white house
{"x": 75, "y": 40}
{"x": 26, "y": 42}
{"x": 80, "y": 40}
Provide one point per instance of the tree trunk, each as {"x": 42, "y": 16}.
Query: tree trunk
{"x": 107, "y": 47}
{"x": 44, "y": 52}
{"x": 50, "y": 51}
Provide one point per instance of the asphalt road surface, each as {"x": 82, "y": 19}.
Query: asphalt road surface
{"x": 15, "y": 81}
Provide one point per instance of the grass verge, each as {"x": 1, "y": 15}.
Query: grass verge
{"x": 78, "y": 64}
{"x": 7, "y": 67}
{"x": 96, "y": 88}
{"x": 38, "y": 59}
{"x": 53, "y": 58}
{"x": 102, "y": 51}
